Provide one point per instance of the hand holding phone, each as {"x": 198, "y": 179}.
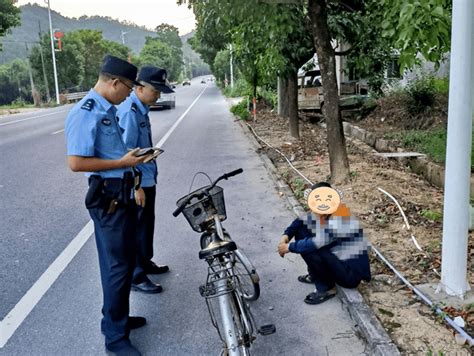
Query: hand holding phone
{"x": 145, "y": 151}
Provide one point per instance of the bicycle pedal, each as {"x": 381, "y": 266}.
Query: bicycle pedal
{"x": 267, "y": 329}
{"x": 202, "y": 290}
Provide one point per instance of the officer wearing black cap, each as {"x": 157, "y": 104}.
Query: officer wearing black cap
{"x": 134, "y": 120}
{"x": 95, "y": 146}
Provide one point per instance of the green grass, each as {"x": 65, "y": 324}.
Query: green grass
{"x": 18, "y": 105}
{"x": 431, "y": 143}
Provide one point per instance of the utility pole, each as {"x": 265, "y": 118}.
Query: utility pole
{"x": 48, "y": 96}
{"x": 458, "y": 151}
{"x": 231, "y": 69}
{"x": 122, "y": 36}
{"x": 53, "y": 54}
{"x": 32, "y": 83}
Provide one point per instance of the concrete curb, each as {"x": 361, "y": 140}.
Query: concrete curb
{"x": 370, "y": 327}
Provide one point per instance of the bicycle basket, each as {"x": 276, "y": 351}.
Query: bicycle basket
{"x": 197, "y": 211}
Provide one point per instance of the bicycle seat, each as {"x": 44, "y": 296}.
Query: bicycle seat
{"x": 217, "y": 248}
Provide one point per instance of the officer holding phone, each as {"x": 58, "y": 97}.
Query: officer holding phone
{"x": 95, "y": 146}
{"x": 134, "y": 120}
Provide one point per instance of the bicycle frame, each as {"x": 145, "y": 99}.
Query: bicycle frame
{"x": 227, "y": 301}
{"x": 223, "y": 284}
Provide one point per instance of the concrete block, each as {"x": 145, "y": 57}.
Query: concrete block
{"x": 382, "y": 145}
{"x": 370, "y": 138}
{"x": 358, "y": 133}
{"x": 347, "y": 128}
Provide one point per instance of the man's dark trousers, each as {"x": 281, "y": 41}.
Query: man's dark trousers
{"x": 327, "y": 270}
{"x": 145, "y": 227}
{"x": 115, "y": 239}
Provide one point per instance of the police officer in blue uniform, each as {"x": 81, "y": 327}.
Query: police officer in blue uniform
{"x": 134, "y": 120}
{"x": 95, "y": 146}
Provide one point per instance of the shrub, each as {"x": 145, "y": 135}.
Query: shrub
{"x": 240, "y": 88}
{"x": 270, "y": 97}
{"x": 421, "y": 94}
{"x": 241, "y": 110}
{"x": 441, "y": 85}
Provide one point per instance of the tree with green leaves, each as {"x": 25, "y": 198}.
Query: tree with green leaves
{"x": 79, "y": 61}
{"x": 407, "y": 29}
{"x": 97, "y": 48}
{"x": 9, "y": 17}
{"x": 14, "y": 82}
{"x": 70, "y": 63}
{"x": 269, "y": 40}
{"x": 221, "y": 68}
{"x": 169, "y": 36}
{"x": 160, "y": 55}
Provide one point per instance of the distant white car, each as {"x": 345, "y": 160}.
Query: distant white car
{"x": 166, "y": 101}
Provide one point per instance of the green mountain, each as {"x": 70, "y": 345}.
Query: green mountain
{"x": 34, "y": 17}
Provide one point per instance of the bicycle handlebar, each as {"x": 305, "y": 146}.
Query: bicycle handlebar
{"x": 205, "y": 191}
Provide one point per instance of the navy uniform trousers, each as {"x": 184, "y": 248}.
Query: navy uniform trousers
{"x": 145, "y": 227}
{"x": 327, "y": 270}
{"x": 116, "y": 246}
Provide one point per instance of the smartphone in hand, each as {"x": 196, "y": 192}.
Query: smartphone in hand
{"x": 145, "y": 151}
{"x": 152, "y": 152}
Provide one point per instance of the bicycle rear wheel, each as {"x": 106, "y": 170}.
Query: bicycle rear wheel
{"x": 242, "y": 324}
{"x": 247, "y": 275}
{"x": 243, "y": 269}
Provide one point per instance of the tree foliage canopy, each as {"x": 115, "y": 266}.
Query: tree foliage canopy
{"x": 164, "y": 51}
{"x": 9, "y": 17}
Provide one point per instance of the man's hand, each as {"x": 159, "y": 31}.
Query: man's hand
{"x": 140, "y": 197}
{"x": 285, "y": 239}
{"x": 130, "y": 160}
{"x": 283, "y": 248}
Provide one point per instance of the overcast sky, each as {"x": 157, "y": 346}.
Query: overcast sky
{"x": 149, "y": 13}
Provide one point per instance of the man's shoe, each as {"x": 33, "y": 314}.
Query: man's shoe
{"x": 154, "y": 269}
{"x": 135, "y": 322}
{"x": 147, "y": 287}
{"x": 126, "y": 350}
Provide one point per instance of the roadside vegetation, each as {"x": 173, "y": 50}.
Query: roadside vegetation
{"x": 78, "y": 63}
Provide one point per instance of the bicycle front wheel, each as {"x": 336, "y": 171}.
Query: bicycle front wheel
{"x": 247, "y": 276}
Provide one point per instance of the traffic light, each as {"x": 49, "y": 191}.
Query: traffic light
{"x": 58, "y": 35}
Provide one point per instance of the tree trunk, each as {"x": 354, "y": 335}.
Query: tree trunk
{"x": 293, "y": 104}
{"x": 339, "y": 163}
{"x": 283, "y": 109}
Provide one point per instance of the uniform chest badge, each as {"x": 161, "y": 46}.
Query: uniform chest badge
{"x": 106, "y": 122}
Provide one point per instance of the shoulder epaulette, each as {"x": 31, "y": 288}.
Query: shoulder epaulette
{"x": 88, "y": 104}
{"x": 134, "y": 107}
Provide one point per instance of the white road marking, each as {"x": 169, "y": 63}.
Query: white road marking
{"x": 22, "y": 309}
{"x": 165, "y": 137}
{"x": 26, "y": 304}
{"x": 31, "y": 118}
{"x": 56, "y": 132}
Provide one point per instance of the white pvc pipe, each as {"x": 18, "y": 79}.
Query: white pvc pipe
{"x": 425, "y": 299}
{"x": 458, "y": 153}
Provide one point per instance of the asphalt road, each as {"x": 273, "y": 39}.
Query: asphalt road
{"x": 42, "y": 211}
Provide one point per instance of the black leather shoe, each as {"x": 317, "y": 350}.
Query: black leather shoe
{"x": 127, "y": 350}
{"x": 154, "y": 269}
{"x": 147, "y": 287}
{"x": 135, "y": 322}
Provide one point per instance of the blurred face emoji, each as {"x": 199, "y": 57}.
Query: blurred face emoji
{"x": 324, "y": 200}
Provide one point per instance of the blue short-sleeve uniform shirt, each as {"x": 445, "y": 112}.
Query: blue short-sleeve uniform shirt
{"x": 92, "y": 130}
{"x": 133, "y": 118}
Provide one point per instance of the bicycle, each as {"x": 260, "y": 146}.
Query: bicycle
{"x": 231, "y": 280}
